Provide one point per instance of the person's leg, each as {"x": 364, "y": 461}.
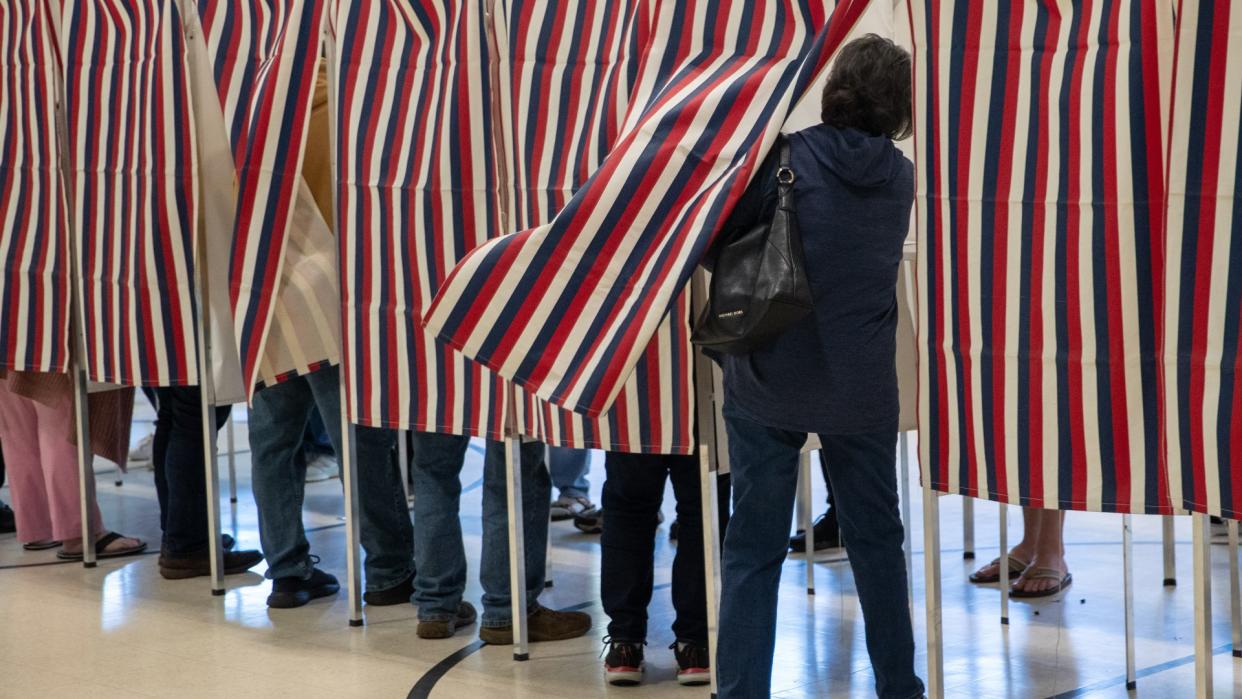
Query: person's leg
{"x": 277, "y": 422}
{"x": 18, "y": 421}
{"x": 863, "y": 473}
{"x": 159, "y": 450}
{"x": 494, "y": 569}
{"x": 633, "y": 493}
{"x": 386, "y": 533}
{"x": 185, "y": 516}
{"x": 689, "y": 586}
{"x": 569, "y": 468}
{"x": 438, "y": 550}
{"x": 1048, "y": 552}
{"x": 62, "y": 478}
{"x": 764, "y": 473}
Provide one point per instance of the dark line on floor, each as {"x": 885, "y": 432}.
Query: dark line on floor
{"x": 1138, "y": 675}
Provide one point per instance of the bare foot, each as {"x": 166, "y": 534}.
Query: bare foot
{"x": 992, "y": 570}
{"x": 1029, "y": 582}
{"x": 74, "y": 546}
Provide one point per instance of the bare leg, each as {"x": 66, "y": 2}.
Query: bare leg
{"x": 1032, "y": 523}
{"x": 1049, "y": 552}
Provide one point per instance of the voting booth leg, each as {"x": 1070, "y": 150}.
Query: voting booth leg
{"x": 232, "y": 444}
{"x": 931, "y": 571}
{"x": 808, "y": 524}
{"x": 1003, "y": 558}
{"x": 1170, "y": 555}
{"x": 517, "y": 547}
{"x": 1235, "y": 592}
{"x": 353, "y": 518}
{"x": 1202, "y": 555}
{"x": 968, "y": 528}
{"x": 1127, "y": 564}
{"x": 711, "y": 554}
{"x": 86, "y": 463}
{"x": 903, "y": 461}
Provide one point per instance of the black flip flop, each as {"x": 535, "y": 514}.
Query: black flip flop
{"x": 101, "y": 546}
{"x": 1064, "y": 581}
{"x": 41, "y": 545}
{"x": 1015, "y": 569}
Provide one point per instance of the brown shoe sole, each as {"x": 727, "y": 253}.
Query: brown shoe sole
{"x": 503, "y": 635}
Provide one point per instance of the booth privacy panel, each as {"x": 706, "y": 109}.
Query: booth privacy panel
{"x": 34, "y": 241}
{"x": 1203, "y": 299}
{"x": 1040, "y": 134}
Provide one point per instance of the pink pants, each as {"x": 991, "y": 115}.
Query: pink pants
{"x": 42, "y": 468}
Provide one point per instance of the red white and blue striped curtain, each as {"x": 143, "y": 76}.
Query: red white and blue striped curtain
{"x": 571, "y": 71}
{"x": 1040, "y": 136}
{"x": 34, "y": 253}
{"x": 417, "y": 189}
{"x": 596, "y": 283}
{"x": 266, "y": 56}
{"x": 132, "y": 153}
{"x": 1203, "y": 353}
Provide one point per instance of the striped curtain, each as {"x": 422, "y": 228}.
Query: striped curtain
{"x": 1203, "y": 354}
{"x": 570, "y": 78}
{"x": 34, "y": 278}
{"x": 132, "y": 153}
{"x": 1040, "y": 135}
{"x": 597, "y": 282}
{"x": 266, "y": 56}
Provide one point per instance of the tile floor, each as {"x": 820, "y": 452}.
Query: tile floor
{"x": 120, "y": 630}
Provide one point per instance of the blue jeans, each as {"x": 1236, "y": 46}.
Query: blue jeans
{"x": 764, "y": 465}
{"x": 277, "y": 425}
{"x": 441, "y": 555}
{"x": 569, "y": 468}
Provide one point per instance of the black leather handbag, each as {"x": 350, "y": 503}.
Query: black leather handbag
{"x": 759, "y": 286}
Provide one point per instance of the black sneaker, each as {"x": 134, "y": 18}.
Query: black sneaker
{"x": 291, "y": 592}
{"x": 623, "y": 666}
{"x": 8, "y": 521}
{"x": 693, "y": 664}
{"x": 400, "y": 594}
{"x": 827, "y": 535}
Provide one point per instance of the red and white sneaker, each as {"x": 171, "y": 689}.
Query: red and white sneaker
{"x": 624, "y": 663}
{"x": 693, "y": 666}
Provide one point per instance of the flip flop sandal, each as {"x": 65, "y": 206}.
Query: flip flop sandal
{"x": 40, "y": 545}
{"x": 1015, "y": 569}
{"x": 101, "y": 549}
{"x": 1063, "y": 581}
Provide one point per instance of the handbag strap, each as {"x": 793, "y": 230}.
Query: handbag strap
{"x": 785, "y": 178}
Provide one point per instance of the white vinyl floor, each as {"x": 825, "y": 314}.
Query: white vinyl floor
{"x": 121, "y": 631}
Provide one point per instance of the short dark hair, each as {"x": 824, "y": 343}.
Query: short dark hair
{"x": 869, "y": 88}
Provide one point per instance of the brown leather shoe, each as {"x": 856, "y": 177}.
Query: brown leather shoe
{"x": 445, "y": 628}
{"x": 199, "y": 565}
{"x": 544, "y": 625}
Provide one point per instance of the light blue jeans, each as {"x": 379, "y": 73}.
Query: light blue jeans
{"x": 440, "y": 553}
{"x": 569, "y": 468}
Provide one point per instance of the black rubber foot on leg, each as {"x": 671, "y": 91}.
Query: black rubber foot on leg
{"x": 233, "y": 500}
{"x": 810, "y": 591}
{"x": 547, "y": 583}
{"x": 968, "y": 555}
{"x": 88, "y": 565}
{"x": 120, "y": 483}
{"x": 521, "y": 657}
{"x": 1170, "y": 582}
{"x": 217, "y": 593}
{"x": 1237, "y": 653}
{"x": 355, "y": 623}
{"x": 1132, "y": 685}
{"x": 1005, "y": 620}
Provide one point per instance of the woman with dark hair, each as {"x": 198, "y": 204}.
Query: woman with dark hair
{"x": 833, "y": 373}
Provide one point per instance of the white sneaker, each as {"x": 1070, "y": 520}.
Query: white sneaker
{"x": 564, "y": 508}
{"x": 323, "y": 468}
{"x": 141, "y": 454}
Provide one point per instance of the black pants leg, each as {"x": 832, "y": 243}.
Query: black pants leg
{"x": 633, "y": 493}
{"x": 180, "y": 472}
{"x": 689, "y": 583}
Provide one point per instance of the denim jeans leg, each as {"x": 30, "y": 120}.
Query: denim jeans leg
{"x": 278, "y": 475}
{"x": 764, "y": 465}
{"x": 863, "y": 470}
{"x": 569, "y": 468}
{"x": 385, "y": 530}
{"x": 536, "y": 494}
{"x": 439, "y": 553}
{"x": 689, "y": 586}
{"x": 180, "y": 469}
{"x": 633, "y": 493}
